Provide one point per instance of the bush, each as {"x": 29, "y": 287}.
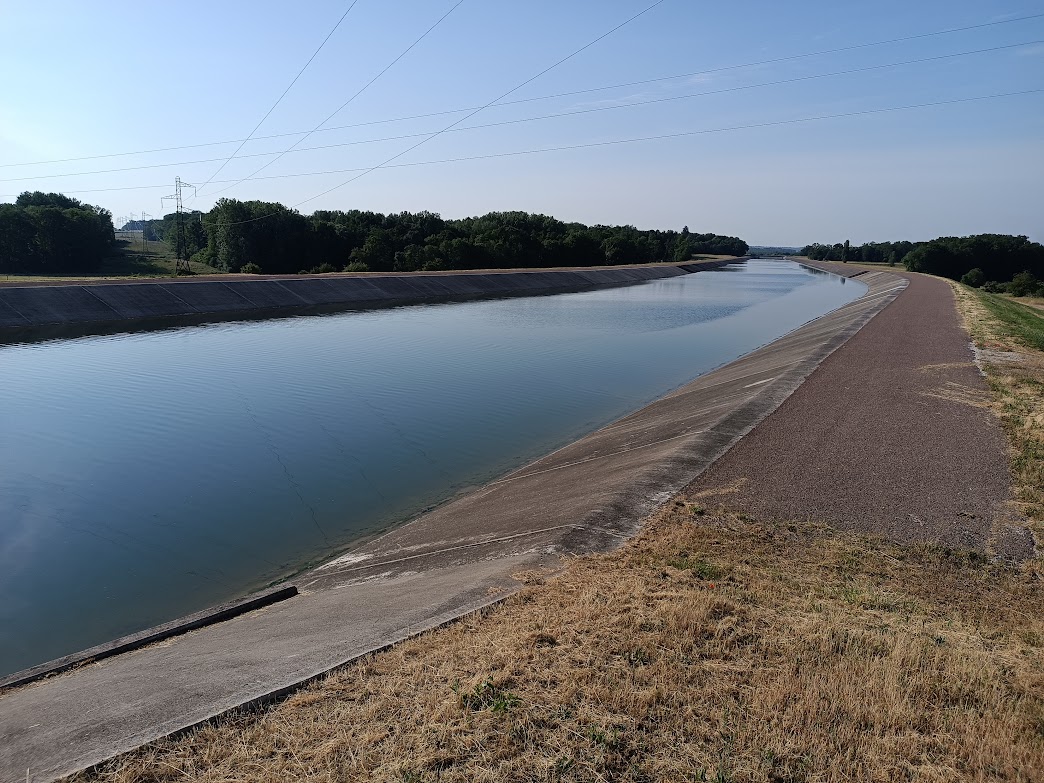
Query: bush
{"x": 974, "y": 277}
{"x": 1024, "y": 284}
{"x": 250, "y": 269}
{"x": 435, "y": 265}
{"x": 324, "y": 269}
{"x": 357, "y": 266}
{"x": 993, "y": 287}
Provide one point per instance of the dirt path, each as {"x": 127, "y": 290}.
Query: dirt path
{"x": 889, "y": 436}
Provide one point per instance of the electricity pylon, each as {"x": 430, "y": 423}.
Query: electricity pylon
{"x": 180, "y": 245}
{"x": 145, "y": 217}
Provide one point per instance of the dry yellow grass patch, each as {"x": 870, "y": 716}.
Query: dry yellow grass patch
{"x": 709, "y": 648}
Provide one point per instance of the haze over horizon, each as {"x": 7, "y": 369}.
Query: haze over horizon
{"x": 90, "y": 82}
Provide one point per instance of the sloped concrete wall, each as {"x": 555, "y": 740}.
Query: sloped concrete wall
{"x": 40, "y": 305}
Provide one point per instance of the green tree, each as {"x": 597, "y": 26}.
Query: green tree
{"x": 683, "y": 249}
{"x": 975, "y": 278}
{"x": 1024, "y": 284}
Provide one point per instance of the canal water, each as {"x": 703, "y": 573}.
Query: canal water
{"x": 145, "y": 476}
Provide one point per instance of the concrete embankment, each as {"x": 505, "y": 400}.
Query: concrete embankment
{"x": 29, "y": 306}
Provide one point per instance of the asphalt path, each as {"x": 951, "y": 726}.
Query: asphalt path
{"x": 889, "y": 436}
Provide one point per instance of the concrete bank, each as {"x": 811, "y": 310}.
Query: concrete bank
{"x": 589, "y": 496}
{"x": 236, "y": 296}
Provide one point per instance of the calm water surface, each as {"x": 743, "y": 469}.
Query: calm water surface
{"x": 145, "y": 476}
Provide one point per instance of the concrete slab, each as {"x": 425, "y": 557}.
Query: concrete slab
{"x": 9, "y": 317}
{"x": 460, "y": 284}
{"x": 159, "y": 633}
{"x": 425, "y": 288}
{"x": 498, "y": 284}
{"x": 141, "y": 301}
{"x": 50, "y": 305}
{"x": 206, "y": 297}
{"x": 589, "y": 496}
{"x": 266, "y": 294}
{"x": 394, "y": 288}
{"x": 335, "y": 291}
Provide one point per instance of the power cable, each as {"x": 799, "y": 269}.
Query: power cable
{"x": 340, "y": 108}
{"x": 487, "y": 105}
{"x": 612, "y": 142}
{"x": 457, "y": 122}
{"x": 589, "y": 110}
{"x": 283, "y": 95}
{"x": 529, "y": 100}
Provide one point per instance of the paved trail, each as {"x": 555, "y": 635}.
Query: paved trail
{"x": 888, "y": 436}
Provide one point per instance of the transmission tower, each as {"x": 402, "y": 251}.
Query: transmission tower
{"x": 145, "y": 217}
{"x": 180, "y": 244}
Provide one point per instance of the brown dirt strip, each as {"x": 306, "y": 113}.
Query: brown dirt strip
{"x": 891, "y": 436}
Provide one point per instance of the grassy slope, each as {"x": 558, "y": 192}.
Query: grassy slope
{"x": 712, "y": 647}
{"x": 1021, "y": 321}
{"x": 999, "y": 323}
{"x": 127, "y": 261}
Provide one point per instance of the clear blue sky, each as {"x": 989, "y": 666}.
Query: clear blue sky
{"x": 88, "y": 79}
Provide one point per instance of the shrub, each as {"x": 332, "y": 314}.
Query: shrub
{"x": 324, "y": 269}
{"x": 974, "y": 277}
{"x": 1024, "y": 284}
{"x": 357, "y": 266}
{"x": 250, "y": 269}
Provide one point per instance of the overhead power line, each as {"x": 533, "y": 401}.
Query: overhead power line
{"x": 438, "y": 133}
{"x": 614, "y": 142}
{"x": 589, "y": 90}
{"x": 341, "y": 108}
{"x": 283, "y": 94}
{"x": 573, "y": 112}
{"x": 499, "y": 98}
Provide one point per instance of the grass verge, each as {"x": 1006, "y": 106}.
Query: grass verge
{"x": 1015, "y": 320}
{"x": 128, "y": 260}
{"x": 1011, "y": 336}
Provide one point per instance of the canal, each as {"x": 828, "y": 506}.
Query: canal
{"x": 147, "y": 475}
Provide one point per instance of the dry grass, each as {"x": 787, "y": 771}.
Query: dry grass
{"x": 710, "y": 648}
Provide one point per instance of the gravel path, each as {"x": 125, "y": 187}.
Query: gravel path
{"x": 887, "y": 437}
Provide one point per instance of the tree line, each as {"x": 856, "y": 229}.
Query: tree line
{"x": 995, "y": 262}
{"x": 265, "y": 237}
{"x": 49, "y": 233}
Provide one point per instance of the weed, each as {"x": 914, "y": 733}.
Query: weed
{"x": 486, "y": 695}
{"x": 637, "y": 657}
{"x": 699, "y": 567}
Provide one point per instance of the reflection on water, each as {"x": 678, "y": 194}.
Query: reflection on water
{"x": 145, "y": 476}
